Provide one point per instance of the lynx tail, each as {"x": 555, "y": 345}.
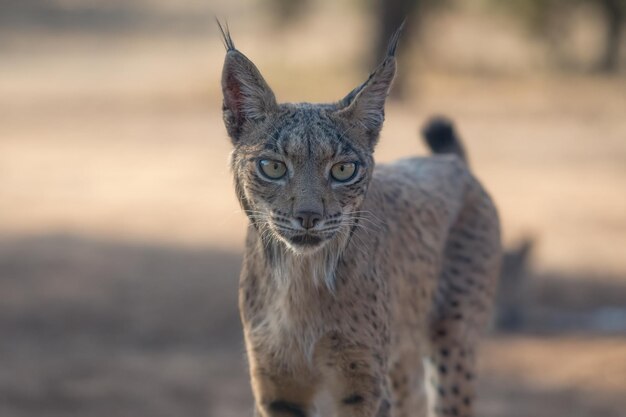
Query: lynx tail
{"x": 441, "y": 138}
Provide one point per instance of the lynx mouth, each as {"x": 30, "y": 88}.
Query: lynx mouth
{"x": 305, "y": 240}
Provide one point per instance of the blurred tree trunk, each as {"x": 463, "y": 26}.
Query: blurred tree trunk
{"x": 287, "y": 11}
{"x": 615, "y": 13}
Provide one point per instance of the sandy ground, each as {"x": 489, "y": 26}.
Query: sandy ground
{"x": 105, "y": 328}
{"x": 120, "y": 237}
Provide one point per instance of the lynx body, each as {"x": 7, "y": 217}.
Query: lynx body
{"x": 356, "y": 278}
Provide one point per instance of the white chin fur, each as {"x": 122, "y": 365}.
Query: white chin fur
{"x": 304, "y": 250}
{"x": 316, "y": 263}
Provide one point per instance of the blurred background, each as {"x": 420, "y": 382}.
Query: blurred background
{"x": 121, "y": 239}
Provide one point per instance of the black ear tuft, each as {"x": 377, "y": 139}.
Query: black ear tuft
{"x": 226, "y": 38}
{"x": 395, "y": 38}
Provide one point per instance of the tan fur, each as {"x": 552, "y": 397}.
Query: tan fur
{"x": 401, "y": 280}
{"x": 398, "y": 298}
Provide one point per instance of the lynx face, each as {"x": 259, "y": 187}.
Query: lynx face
{"x": 301, "y": 170}
{"x": 301, "y": 177}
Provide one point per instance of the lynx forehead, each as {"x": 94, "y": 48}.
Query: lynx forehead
{"x": 357, "y": 279}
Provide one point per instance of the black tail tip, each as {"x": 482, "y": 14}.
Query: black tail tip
{"x": 439, "y": 134}
{"x": 441, "y": 137}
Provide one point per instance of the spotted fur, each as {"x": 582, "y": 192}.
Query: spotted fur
{"x": 396, "y": 276}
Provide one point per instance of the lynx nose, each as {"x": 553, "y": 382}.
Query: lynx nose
{"x": 308, "y": 219}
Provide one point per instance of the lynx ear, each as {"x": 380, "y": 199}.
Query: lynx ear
{"x": 364, "y": 107}
{"x": 247, "y": 97}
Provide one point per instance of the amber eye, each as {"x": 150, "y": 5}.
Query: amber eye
{"x": 272, "y": 169}
{"x": 343, "y": 171}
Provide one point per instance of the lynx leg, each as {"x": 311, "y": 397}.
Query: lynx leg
{"x": 463, "y": 306}
{"x": 356, "y": 379}
{"x": 279, "y": 394}
{"x": 408, "y": 388}
{"x": 454, "y": 376}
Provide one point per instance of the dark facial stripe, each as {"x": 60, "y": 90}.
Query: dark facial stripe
{"x": 287, "y": 408}
{"x": 271, "y": 146}
{"x": 358, "y": 181}
{"x": 353, "y": 399}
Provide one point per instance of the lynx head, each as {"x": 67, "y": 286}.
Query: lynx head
{"x": 302, "y": 170}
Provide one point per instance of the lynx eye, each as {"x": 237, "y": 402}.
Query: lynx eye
{"x": 272, "y": 169}
{"x": 343, "y": 171}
